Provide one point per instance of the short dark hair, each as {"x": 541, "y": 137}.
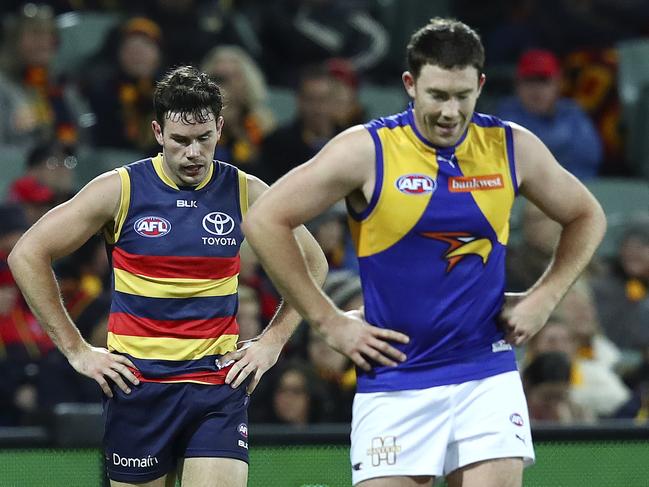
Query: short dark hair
{"x": 447, "y": 43}
{"x": 189, "y": 92}
{"x": 313, "y": 72}
{"x": 42, "y": 151}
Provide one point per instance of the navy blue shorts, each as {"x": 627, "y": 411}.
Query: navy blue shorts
{"x": 148, "y": 430}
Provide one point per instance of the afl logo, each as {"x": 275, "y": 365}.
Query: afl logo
{"x": 218, "y": 223}
{"x": 516, "y": 419}
{"x": 152, "y": 226}
{"x": 416, "y": 184}
{"x": 243, "y": 430}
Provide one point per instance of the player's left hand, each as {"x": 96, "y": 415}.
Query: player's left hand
{"x": 253, "y": 358}
{"x": 523, "y": 315}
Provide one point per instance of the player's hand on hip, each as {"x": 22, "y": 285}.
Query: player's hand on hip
{"x": 101, "y": 365}
{"x": 363, "y": 343}
{"x": 252, "y": 359}
{"x": 522, "y": 316}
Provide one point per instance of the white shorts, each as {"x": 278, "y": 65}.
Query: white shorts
{"x": 431, "y": 432}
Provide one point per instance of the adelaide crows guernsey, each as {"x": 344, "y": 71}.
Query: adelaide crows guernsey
{"x": 175, "y": 259}
{"x": 431, "y": 247}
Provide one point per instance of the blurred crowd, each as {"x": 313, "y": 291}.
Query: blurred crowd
{"x": 551, "y": 66}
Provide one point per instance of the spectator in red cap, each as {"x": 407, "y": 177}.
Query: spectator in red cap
{"x": 559, "y": 122}
{"x": 346, "y": 105}
{"x": 312, "y": 127}
{"x": 48, "y": 176}
{"x": 35, "y": 197}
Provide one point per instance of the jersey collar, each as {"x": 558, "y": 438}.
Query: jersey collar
{"x": 159, "y": 169}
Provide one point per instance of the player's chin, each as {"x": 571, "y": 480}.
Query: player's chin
{"x": 444, "y": 136}
{"x": 193, "y": 179}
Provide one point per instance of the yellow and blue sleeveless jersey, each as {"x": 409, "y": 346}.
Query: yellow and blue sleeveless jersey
{"x": 431, "y": 247}
{"x": 174, "y": 253}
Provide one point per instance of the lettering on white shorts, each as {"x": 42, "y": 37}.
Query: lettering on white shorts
{"x": 384, "y": 449}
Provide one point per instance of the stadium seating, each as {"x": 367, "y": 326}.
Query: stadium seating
{"x": 621, "y": 199}
{"x": 13, "y": 165}
{"x": 96, "y": 161}
{"x": 81, "y": 34}
{"x": 633, "y": 89}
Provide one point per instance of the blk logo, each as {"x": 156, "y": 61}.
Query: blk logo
{"x": 186, "y": 204}
{"x": 152, "y": 226}
{"x": 218, "y": 223}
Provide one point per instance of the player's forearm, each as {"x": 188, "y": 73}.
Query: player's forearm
{"x": 579, "y": 240}
{"x": 287, "y": 319}
{"x": 33, "y": 274}
{"x": 315, "y": 259}
{"x": 280, "y": 255}
{"x": 282, "y": 326}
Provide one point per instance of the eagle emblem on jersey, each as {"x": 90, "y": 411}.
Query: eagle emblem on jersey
{"x": 461, "y": 244}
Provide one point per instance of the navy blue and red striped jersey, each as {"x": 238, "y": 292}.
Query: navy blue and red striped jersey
{"x": 175, "y": 258}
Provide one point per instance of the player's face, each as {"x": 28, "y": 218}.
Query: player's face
{"x": 444, "y": 101}
{"x": 188, "y": 147}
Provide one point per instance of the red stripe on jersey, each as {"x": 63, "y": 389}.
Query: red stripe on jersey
{"x": 204, "y": 377}
{"x": 126, "y": 324}
{"x": 174, "y": 266}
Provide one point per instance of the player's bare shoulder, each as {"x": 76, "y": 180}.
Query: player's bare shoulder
{"x": 348, "y": 160}
{"x": 530, "y": 153}
{"x": 105, "y": 193}
{"x": 355, "y": 146}
{"x": 256, "y": 187}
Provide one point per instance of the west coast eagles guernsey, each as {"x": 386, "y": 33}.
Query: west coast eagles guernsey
{"x": 431, "y": 246}
{"x": 175, "y": 258}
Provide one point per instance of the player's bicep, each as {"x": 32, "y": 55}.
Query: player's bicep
{"x": 544, "y": 182}
{"x": 66, "y": 227}
{"x": 341, "y": 167}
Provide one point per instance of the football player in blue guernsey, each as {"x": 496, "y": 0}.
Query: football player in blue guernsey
{"x": 429, "y": 193}
{"x": 175, "y": 384}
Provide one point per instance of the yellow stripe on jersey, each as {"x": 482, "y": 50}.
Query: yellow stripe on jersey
{"x": 172, "y": 287}
{"x": 487, "y": 154}
{"x": 395, "y": 213}
{"x": 112, "y": 234}
{"x": 157, "y": 165}
{"x": 208, "y": 178}
{"x": 171, "y": 348}
{"x": 243, "y": 192}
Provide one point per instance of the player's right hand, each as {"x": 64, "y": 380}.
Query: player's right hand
{"x": 99, "y": 364}
{"x": 351, "y": 335}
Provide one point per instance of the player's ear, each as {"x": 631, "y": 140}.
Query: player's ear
{"x": 157, "y": 131}
{"x": 481, "y": 81}
{"x": 219, "y": 126}
{"x": 409, "y": 83}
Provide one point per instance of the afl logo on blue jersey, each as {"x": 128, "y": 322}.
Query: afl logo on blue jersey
{"x": 416, "y": 184}
{"x": 152, "y": 226}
